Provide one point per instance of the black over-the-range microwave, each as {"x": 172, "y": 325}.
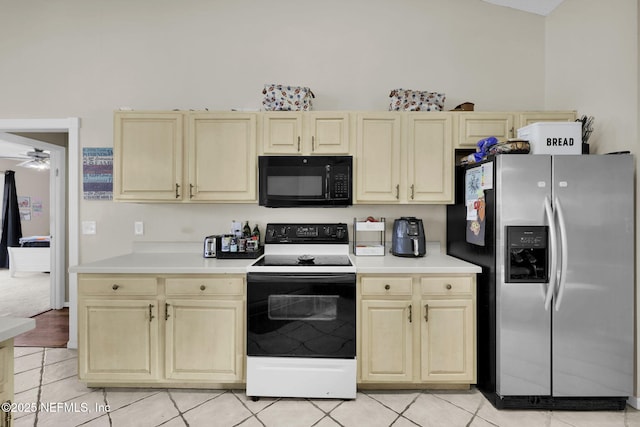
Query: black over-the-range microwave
{"x": 298, "y": 181}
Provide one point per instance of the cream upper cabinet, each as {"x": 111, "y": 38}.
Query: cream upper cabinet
{"x": 417, "y": 329}
{"x": 527, "y": 118}
{"x": 404, "y": 158}
{"x": 471, "y": 127}
{"x": 429, "y": 158}
{"x": 148, "y": 156}
{"x": 307, "y": 133}
{"x": 185, "y": 157}
{"x": 282, "y": 132}
{"x": 222, "y": 157}
{"x": 378, "y": 162}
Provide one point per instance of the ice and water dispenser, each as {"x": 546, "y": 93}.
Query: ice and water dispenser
{"x": 527, "y": 254}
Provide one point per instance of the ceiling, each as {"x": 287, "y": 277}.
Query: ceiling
{"x": 13, "y": 150}
{"x": 540, "y": 7}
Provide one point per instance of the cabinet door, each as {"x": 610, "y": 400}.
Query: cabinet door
{"x": 6, "y": 378}
{"x": 528, "y": 118}
{"x": 472, "y": 127}
{"x": 147, "y": 156}
{"x": 386, "y": 341}
{"x": 118, "y": 340}
{"x": 327, "y": 132}
{"x": 204, "y": 340}
{"x": 222, "y": 157}
{"x": 282, "y": 132}
{"x": 448, "y": 341}
{"x": 378, "y": 158}
{"x": 429, "y": 158}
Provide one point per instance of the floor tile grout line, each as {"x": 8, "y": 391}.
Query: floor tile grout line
{"x": 180, "y": 413}
{"x": 35, "y": 420}
{"x": 327, "y": 414}
{"x": 253, "y": 414}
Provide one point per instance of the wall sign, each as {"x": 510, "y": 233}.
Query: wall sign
{"x": 97, "y": 173}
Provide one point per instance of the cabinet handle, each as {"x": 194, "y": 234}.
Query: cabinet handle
{"x": 511, "y": 132}
{"x": 449, "y": 286}
{"x": 387, "y": 286}
{"x": 166, "y": 311}
{"x": 177, "y": 188}
{"x": 313, "y": 143}
{"x": 410, "y": 313}
{"x": 412, "y": 191}
{"x": 426, "y": 312}
{"x": 298, "y": 144}
{"x": 151, "y": 316}
{"x": 191, "y": 191}
{"x": 115, "y": 287}
{"x": 203, "y": 287}
{"x": 398, "y": 192}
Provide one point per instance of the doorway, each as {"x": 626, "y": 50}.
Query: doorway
{"x": 64, "y": 201}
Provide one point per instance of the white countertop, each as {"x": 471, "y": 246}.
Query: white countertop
{"x": 177, "y": 261}
{"x": 13, "y": 326}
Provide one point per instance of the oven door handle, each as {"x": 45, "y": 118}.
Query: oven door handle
{"x": 334, "y": 278}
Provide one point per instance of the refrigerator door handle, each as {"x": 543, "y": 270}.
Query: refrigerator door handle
{"x": 564, "y": 257}
{"x": 553, "y": 254}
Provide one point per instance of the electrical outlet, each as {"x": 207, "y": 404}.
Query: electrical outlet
{"x": 88, "y": 227}
{"x": 138, "y": 228}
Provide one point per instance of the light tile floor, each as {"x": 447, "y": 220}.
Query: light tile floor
{"x": 46, "y": 378}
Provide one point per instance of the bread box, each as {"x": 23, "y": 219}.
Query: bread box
{"x": 553, "y": 137}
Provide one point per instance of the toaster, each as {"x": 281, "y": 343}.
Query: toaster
{"x": 210, "y": 243}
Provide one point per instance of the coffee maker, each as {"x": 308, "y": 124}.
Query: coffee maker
{"x": 408, "y": 237}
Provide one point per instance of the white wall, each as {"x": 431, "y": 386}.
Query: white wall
{"x": 87, "y": 58}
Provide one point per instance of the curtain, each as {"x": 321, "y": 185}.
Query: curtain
{"x": 11, "y": 226}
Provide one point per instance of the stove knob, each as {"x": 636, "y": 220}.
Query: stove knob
{"x": 340, "y": 233}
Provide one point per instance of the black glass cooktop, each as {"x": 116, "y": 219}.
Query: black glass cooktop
{"x": 304, "y": 260}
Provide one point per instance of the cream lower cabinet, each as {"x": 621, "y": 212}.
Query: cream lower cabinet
{"x": 204, "y": 329}
{"x": 6, "y": 380}
{"x": 164, "y": 330}
{"x": 417, "y": 329}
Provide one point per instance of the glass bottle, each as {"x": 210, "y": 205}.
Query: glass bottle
{"x": 246, "y": 230}
{"x": 256, "y": 233}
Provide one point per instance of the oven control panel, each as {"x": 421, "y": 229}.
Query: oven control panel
{"x": 307, "y": 233}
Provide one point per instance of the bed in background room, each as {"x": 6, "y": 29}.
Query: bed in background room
{"x": 33, "y": 255}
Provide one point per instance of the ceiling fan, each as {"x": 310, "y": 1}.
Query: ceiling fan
{"x": 38, "y": 159}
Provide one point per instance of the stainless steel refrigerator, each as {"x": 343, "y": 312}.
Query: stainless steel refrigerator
{"x": 555, "y": 238}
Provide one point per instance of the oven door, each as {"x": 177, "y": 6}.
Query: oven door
{"x": 301, "y": 315}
